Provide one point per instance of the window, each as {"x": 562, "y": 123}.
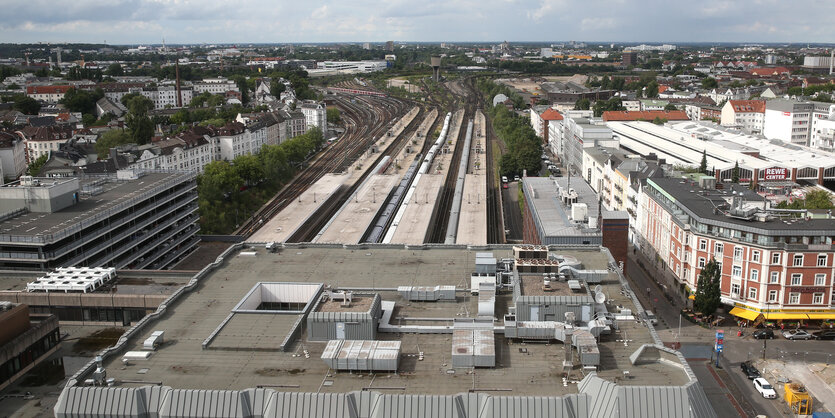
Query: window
{"x": 797, "y": 278}
{"x": 737, "y": 253}
{"x": 701, "y": 262}
{"x": 820, "y": 279}
{"x": 817, "y": 299}
{"x": 703, "y": 244}
{"x": 719, "y": 249}
{"x": 772, "y": 296}
{"x": 736, "y": 271}
{"x": 755, "y": 275}
{"x": 775, "y": 258}
{"x": 752, "y": 293}
{"x": 797, "y": 260}
{"x": 734, "y": 289}
{"x": 821, "y": 260}
{"x": 775, "y": 277}
{"x": 794, "y": 298}
{"x": 755, "y": 256}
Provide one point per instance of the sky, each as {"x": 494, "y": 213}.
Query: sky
{"x": 298, "y": 21}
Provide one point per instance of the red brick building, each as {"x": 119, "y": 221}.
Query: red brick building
{"x": 774, "y": 267}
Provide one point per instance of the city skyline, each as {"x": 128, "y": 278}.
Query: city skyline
{"x": 149, "y": 21}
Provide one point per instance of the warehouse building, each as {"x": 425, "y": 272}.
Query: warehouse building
{"x": 131, "y": 219}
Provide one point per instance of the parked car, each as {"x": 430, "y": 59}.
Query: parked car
{"x": 765, "y": 333}
{"x": 797, "y": 334}
{"x": 764, "y": 388}
{"x": 516, "y": 178}
{"x": 504, "y": 179}
{"x": 504, "y": 186}
{"x": 824, "y": 334}
{"x": 749, "y": 370}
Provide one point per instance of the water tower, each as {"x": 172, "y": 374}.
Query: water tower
{"x": 435, "y": 62}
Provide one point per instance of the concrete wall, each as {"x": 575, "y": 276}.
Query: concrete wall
{"x": 13, "y": 322}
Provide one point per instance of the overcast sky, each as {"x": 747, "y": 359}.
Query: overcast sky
{"x": 215, "y": 21}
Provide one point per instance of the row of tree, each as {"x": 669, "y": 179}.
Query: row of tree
{"x": 230, "y": 192}
{"x": 524, "y": 148}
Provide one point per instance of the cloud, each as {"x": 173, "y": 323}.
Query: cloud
{"x": 214, "y": 21}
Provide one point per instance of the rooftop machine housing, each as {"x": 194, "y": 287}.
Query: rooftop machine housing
{"x": 341, "y": 319}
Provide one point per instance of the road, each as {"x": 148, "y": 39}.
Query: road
{"x": 730, "y": 393}
{"x": 512, "y": 213}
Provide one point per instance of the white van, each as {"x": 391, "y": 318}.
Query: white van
{"x": 650, "y": 317}
{"x": 504, "y": 179}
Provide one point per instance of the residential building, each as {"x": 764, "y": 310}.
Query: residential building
{"x": 579, "y": 133}
{"x": 541, "y": 119}
{"x": 315, "y": 114}
{"x": 40, "y": 141}
{"x": 216, "y": 85}
{"x": 12, "y": 156}
{"x": 48, "y": 94}
{"x": 774, "y": 266}
{"x": 132, "y": 219}
{"x": 823, "y": 132}
{"x": 629, "y": 58}
{"x": 25, "y": 340}
{"x": 748, "y": 115}
{"x": 111, "y": 107}
{"x": 790, "y": 120}
{"x": 721, "y": 95}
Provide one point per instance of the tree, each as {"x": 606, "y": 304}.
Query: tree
{"x": 26, "y": 105}
{"x": 249, "y": 169}
{"x": 140, "y": 125}
{"x": 582, "y": 104}
{"x": 670, "y": 106}
{"x": 708, "y": 292}
{"x": 652, "y": 90}
{"x": 659, "y": 120}
{"x": 36, "y": 166}
{"x": 243, "y": 86}
{"x": 735, "y": 173}
{"x": 333, "y": 115}
{"x": 709, "y": 83}
{"x": 81, "y": 100}
{"x": 111, "y": 139}
{"x": 115, "y": 70}
{"x": 277, "y": 87}
{"x": 703, "y": 164}
{"x": 815, "y": 199}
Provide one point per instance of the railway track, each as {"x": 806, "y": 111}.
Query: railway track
{"x": 310, "y": 228}
{"x": 362, "y": 124}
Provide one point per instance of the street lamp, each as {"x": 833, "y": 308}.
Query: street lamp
{"x": 765, "y": 336}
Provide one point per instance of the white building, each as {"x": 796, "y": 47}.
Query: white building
{"x": 748, "y": 115}
{"x": 49, "y": 94}
{"x": 823, "y": 131}
{"x": 216, "y": 85}
{"x": 40, "y": 141}
{"x": 12, "y": 156}
{"x": 315, "y": 114}
{"x": 790, "y": 120}
{"x": 719, "y": 95}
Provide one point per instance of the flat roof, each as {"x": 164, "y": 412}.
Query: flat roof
{"x": 243, "y": 354}
{"x": 554, "y": 217}
{"x": 689, "y": 195}
{"x": 684, "y": 142}
{"x": 115, "y": 195}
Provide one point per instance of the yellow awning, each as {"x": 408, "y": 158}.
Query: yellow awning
{"x": 783, "y": 315}
{"x": 829, "y": 315}
{"x": 745, "y": 313}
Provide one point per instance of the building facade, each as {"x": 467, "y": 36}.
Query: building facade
{"x": 773, "y": 267}
{"x": 791, "y": 121}
{"x": 134, "y": 219}
{"x": 748, "y": 115}
{"x": 12, "y": 156}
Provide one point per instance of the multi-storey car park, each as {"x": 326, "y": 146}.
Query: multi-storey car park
{"x": 393, "y": 331}
{"x": 775, "y": 266}
{"x": 129, "y": 220}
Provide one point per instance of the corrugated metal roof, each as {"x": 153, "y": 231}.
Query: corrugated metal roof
{"x": 598, "y": 398}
